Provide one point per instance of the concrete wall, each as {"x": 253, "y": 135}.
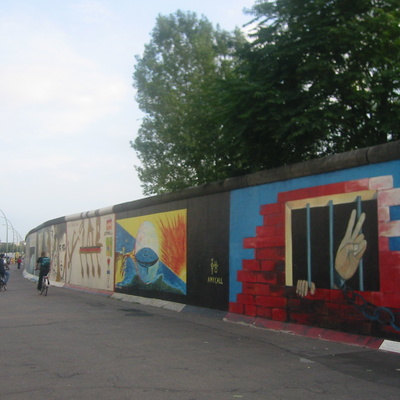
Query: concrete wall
{"x": 316, "y": 243}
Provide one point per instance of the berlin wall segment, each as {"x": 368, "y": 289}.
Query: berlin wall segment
{"x": 243, "y": 245}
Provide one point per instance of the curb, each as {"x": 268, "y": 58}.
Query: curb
{"x": 148, "y": 301}
{"x": 316, "y": 333}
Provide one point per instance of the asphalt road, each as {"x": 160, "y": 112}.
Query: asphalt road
{"x": 78, "y": 345}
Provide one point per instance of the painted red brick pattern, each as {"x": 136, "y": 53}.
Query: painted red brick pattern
{"x": 263, "y": 279}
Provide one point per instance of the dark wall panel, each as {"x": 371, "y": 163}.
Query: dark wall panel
{"x": 208, "y": 251}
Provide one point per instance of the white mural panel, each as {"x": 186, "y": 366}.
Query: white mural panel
{"x": 90, "y": 247}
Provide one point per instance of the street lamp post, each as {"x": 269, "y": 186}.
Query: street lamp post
{"x": 13, "y": 234}
{"x": 16, "y": 235}
{"x": 6, "y": 230}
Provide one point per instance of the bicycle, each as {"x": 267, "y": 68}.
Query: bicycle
{"x": 45, "y": 285}
{"x": 3, "y": 284}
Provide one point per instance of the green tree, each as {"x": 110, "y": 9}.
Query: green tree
{"x": 319, "y": 77}
{"x": 180, "y": 142}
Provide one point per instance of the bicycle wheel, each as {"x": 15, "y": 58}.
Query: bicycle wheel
{"x": 45, "y": 288}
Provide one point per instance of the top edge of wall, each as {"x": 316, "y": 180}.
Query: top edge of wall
{"x": 351, "y": 159}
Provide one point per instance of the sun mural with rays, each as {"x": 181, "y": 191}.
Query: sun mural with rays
{"x": 151, "y": 253}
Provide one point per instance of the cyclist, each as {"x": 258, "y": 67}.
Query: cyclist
{"x": 43, "y": 264}
{"x": 4, "y": 273}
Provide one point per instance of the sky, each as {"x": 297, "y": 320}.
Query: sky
{"x": 67, "y": 105}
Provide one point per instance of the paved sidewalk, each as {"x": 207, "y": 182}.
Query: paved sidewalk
{"x": 75, "y": 344}
{"x": 285, "y": 327}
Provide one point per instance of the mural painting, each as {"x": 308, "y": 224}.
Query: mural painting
{"x": 58, "y": 252}
{"x": 151, "y": 253}
{"x": 324, "y": 255}
{"x": 52, "y": 240}
{"x": 90, "y": 256}
{"x": 321, "y": 249}
{"x": 30, "y": 253}
{"x": 332, "y": 242}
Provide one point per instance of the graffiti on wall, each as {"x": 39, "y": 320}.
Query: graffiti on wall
{"x": 51, "y": 240}
{"x": 90, "y": 252}
{"x": 151, "y": 253}
{"x": 324, "y": 255}
{"x": 58, "y": 252}
{"x": 332, "y": 241}
{"x": 30, "y": 253}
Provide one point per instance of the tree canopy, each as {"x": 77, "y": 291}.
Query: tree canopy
{"x": 316, "y": 77}
{"x": 180, "y": 142}
{"x": 319, "y": 77}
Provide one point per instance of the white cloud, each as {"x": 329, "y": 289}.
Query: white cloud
{"x": 59, "y": 89}
{"x": 91, "y": 11}
{"x": 67, "y": 109}
{"x": 49, "y": 161}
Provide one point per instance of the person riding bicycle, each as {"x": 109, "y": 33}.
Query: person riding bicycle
{"x": 4, "y": 273}
{"x": 43, "y": 264}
